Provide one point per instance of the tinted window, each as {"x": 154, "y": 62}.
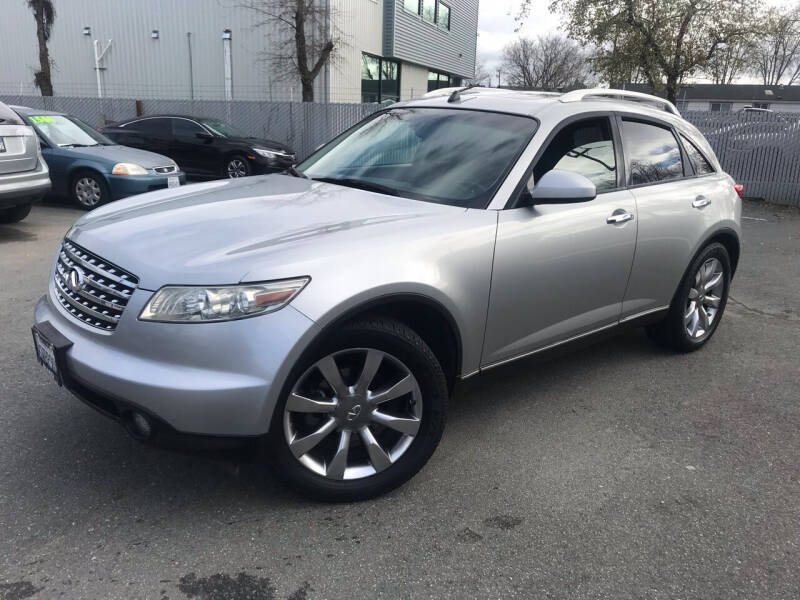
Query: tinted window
{"x": 699, "y": 162}
{"x": 8, "y": 116}
{"x": 652, "y": 152}
{"x": 150, "y": 126}
{"x": 586, "y": 147}
{"x": 186, "y": 128}
{"x": 457, "y": 157}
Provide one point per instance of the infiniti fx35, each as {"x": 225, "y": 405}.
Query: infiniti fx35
{"x": 329, "y": 311}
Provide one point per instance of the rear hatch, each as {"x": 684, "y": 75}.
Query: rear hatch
{"x": 19, "y": 146}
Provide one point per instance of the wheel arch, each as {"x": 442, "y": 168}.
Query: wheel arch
{"x": 425, "y": 315}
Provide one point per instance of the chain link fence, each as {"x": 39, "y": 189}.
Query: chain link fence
{"x": 760, "y": 150}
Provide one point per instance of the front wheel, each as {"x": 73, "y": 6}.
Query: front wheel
{"x": 15, "y": 214}
{"x": 237, "y": 166}
{"x": 363, "y": 415}
{"x": 698, "y": 304}
{"x": 89, "y": 190}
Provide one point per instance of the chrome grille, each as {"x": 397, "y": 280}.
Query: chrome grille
{"x": 165, "y": 170}
{"x": 102, "y": 291}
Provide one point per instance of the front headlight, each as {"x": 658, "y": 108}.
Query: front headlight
{"x": 271, "y": 153}
{"x": 128, "y": 169}
{"x": 174, "y": 304}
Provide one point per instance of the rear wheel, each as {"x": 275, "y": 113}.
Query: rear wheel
{"x": 15, "y": 214}
{"x": 364, "y": 414}
{"x": 89, "y": 190}
{"x": 698, "y": 305}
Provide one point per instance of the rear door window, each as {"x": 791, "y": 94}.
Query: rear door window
{"x": 698, "y": 160}
{"x": 151, "y": 126}
{"x": 652, "y": 152}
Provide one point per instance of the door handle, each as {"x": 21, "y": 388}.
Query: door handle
{"x": 701, "y": 202}
{"x": 619, "y": 216}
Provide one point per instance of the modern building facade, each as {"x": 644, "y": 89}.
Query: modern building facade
{"x": 387, "y": 50}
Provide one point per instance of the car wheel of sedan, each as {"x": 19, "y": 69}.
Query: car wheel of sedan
{"x": 698, "y": 305}
{"x": 15, "y": 214}
{"x": 362, "y": 416}
{"x": 89, "y": 190}
{"x": 236, "y": 167}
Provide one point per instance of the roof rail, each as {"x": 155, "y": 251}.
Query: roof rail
{"x": 579, "y": 95}
{"x": 486, "y": 90}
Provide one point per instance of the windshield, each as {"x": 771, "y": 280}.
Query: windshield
{"x": 67, "y": 131}
{"x": 223, "y": 129}
{"x": 450, "y": 156}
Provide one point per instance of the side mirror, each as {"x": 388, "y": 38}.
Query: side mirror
{"x": 204, "y": 135}
{"x": 562, "y": 187}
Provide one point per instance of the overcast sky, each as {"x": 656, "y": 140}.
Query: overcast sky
{"x": 496, "y": 27}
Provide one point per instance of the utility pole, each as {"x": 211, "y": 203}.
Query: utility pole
{"x": 99, "y": 53}
{"x": 499, "y": 71}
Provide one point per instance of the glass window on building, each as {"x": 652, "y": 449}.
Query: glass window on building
{"x": 438, "y": 80}
{"x": 444, "y": 16}
{"x": 411, "y": 6}
{"x": 720, "y": 107}
{"x": 380, "y": 79}
{"x": 429, "y": 10}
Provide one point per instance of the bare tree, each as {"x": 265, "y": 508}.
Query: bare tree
{"x": 44, "y": 14}
{"x": 306, "y": 42}
{"x": 547, "y": 62}
{"x": 776, "y": 54}
{"x": 482, "y": 75}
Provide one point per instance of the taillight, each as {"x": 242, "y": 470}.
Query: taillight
{"x": 739, "y": 189}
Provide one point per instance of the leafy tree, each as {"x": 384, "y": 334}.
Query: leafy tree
{"x": 44, "y": 13}
{"x": 306, "y": 42}
{"x": 546, "y": 62}
{"x": 776, "y": 53}
{"x": 661, "y": 41}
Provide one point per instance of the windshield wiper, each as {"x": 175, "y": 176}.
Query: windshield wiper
{"x": 360, "y": 184}
{"x": 295, "y": 173}
{"x": 77, "y": 145}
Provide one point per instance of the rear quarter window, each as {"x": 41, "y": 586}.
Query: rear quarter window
{"x": 700, "y": 163}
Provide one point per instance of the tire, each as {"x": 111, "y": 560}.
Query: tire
{"x": 364, "y": 473}
{"x": 236, "y": 166}
{"x": 15, "y": 214}
{"x": 684, "y": 329}
{"x": 89, "y": 190}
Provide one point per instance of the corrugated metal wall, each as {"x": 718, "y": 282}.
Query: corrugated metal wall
{"x": 137, "y": 65}
{"x": 410, "y": 38}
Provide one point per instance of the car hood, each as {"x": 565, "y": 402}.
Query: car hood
{"x": 260, "y": 143}
{"x": 250, "y": 229}
{"x": 116, "y": 154}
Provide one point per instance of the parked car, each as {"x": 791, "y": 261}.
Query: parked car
{"x": 205, "y": 148}
{"x": 24, "y": 176}
{"x": 330, "y": 313}
{"x": 92, "y": 169}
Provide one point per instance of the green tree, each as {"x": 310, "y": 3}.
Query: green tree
{"x": 659, "y": 41}
{"x": 44, "y": 14}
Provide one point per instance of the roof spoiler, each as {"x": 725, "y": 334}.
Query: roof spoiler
{"x": 578, "y": 95}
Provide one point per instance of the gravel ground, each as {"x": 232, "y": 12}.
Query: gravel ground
{"x": 620, "y": 471}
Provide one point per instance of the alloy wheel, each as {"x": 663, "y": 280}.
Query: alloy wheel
{"x": 704, "y": 299}
{"x": 353, "y": 414}
{"x": 237, "y": 168}
{"x": 88, "y": 192}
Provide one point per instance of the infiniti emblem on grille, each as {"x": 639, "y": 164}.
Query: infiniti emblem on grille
{"x": 354, "y": 412}
{"x": 76, "y": 279}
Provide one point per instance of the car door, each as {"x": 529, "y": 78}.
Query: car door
{"x": 675, "y": 208}
{"x": 560, "y": 270}
{"x": 193, "y": 153}
{"x": 153, "y": 134}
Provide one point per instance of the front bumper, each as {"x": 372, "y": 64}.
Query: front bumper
{"x": 122, "y": 186}
{"x": 261, "y": 165}
{"x": 217, "y": 379}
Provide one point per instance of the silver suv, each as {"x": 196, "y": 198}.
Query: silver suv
{"x": 24, "y": 176}
{"x": 330, "y": 311}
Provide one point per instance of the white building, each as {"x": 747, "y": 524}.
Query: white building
{"x": 213, "y": 49}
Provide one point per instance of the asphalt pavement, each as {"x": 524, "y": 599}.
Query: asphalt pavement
{"x": 620, "y": 471}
